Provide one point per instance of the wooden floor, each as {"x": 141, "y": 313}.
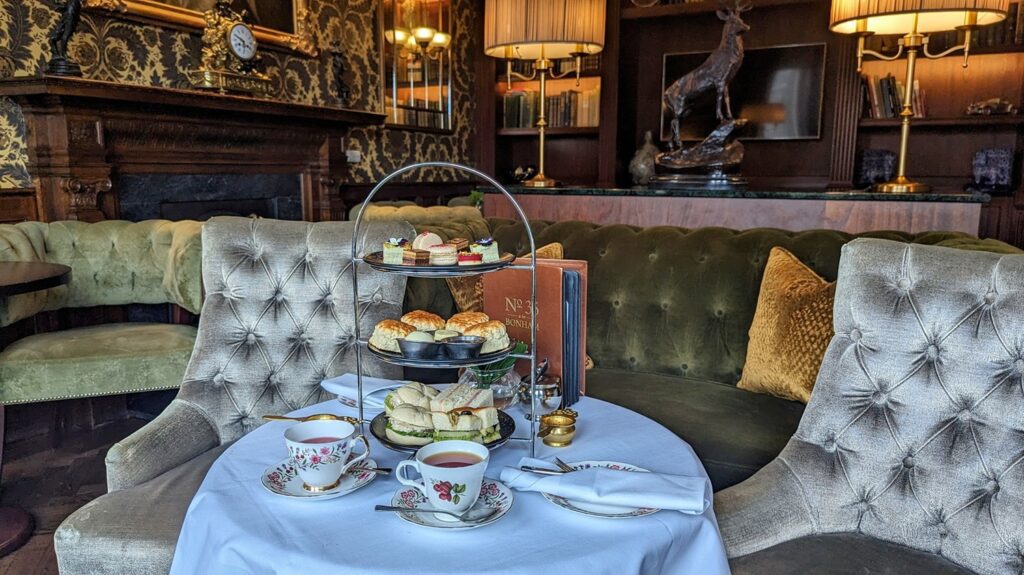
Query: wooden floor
{"x": 50, "y": 483}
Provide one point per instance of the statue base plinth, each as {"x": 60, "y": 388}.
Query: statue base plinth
{"x": 714, "y": 179}
{"x": 63, "y": 67}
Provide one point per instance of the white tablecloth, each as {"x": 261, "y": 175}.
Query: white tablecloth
{"x": 235, "y": 526}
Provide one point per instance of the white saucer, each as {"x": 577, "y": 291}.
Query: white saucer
{"x": 493, "y": 494}
{"x": 597, "y": 509}
{"x": 283, "y": 480}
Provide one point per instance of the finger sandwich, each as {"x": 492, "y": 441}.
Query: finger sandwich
{"x": 462, "y": 412}
{"x": 414, "y": 393}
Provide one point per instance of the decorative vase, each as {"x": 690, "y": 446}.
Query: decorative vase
{"x": 503, "y": 383}
{"x": 641, "y": 167}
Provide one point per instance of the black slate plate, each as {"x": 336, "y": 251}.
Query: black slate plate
{"x": 505, "y": 423}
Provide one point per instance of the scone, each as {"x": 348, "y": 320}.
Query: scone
{"x": 494, "y": 331}
{"x": 387, "y": 333}
{"x": 423, "y": 320}
{"x": 460, "y": 322}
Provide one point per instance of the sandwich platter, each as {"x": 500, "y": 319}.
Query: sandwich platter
{"x": 399, "y": 359}
{"x": 378, "y": 424}
{"x": 376, "y": 261}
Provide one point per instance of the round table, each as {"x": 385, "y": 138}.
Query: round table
{"x": 16, "y": 278}
{"x": 24, "y": 277}
{"x": 234, "y": 526}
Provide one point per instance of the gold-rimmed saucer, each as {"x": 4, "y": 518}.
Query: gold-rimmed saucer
{"x": 283, "y": 480}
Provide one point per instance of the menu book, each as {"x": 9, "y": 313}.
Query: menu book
{"x": 561, "y": 316}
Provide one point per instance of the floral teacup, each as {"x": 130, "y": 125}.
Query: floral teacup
{"x": 452, "y": 473}
{"x": 320, "y": 450}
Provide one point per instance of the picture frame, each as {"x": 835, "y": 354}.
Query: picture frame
{"x": 299, "y": 38}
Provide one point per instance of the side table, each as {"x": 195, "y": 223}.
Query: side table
{"x": 16, "y": 525}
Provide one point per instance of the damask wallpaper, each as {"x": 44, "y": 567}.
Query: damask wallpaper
{"x": 116, "y": 50}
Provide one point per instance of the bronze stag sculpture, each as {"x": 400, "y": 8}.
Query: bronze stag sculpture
{"x": 714, "y": 74}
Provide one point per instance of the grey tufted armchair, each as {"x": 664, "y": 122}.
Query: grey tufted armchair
{"x": 910, "y": 456}
{"x": 277, "y": 319}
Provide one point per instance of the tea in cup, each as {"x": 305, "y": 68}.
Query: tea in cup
{"x": 320, "y": 451}
{"x": 451, "y": 475}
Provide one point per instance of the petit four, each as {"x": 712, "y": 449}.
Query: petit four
{"x": 460, "y": 243}
{"x": 486, "y": 247}
{"x": 470, "y": 259}
{"x": 415, "y": 257}
{"x": 394, "y": 250}
{"x": 425, "y": 240}
{"x": 442, "y": 255}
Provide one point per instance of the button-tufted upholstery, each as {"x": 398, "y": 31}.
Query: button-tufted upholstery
{"x": 112, "y": 263}
{"x": 915, "y": 433}
{"x": 679, "y": 301}
{"x": 277, "y": 319}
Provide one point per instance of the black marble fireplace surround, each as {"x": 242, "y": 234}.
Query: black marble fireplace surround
{"x": 200, "y": 197}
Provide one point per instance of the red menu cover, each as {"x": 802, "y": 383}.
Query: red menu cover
{"x": 507, "y": 298}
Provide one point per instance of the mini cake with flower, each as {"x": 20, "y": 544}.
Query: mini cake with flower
{"x": 394, "y": 250}
{"x": 486, "y": 247}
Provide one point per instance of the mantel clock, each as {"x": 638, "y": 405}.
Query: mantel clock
{"x": 229, "y": 61}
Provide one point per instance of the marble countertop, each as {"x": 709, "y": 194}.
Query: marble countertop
{"x": 749, "y": 193}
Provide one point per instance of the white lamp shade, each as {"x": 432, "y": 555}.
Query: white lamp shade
{"x": 534, "y": 29}
{"x": 897, "y": 16}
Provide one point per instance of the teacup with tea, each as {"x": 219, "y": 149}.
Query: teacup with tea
{"x": 451, "y": 474}
{"x": 320, "y": 451}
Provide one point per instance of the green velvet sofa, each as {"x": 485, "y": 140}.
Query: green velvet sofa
{"x": 668, "y": 314}
{"x": 113, "y": 263}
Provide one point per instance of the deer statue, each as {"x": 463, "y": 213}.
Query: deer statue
{"x": 714, "y": 74}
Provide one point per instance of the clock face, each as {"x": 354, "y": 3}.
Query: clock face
{"x": 242, "y": 42}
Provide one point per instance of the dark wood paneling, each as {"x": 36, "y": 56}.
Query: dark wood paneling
{"x": 82, "y": 131}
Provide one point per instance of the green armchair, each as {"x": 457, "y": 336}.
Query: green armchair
{"x": 113, "y": 263}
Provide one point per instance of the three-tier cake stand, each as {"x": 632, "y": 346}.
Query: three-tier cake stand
{"x": 426, "y": 271}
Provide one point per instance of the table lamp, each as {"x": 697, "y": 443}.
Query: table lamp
{"x": 542, "y": 31}
{"x": 913, "y": 19}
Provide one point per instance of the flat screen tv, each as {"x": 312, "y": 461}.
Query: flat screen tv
{"x": 777, "y": 89}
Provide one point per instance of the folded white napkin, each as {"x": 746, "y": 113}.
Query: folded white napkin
{"x": 691, "y": 495}
{"x": 345, "y": 385}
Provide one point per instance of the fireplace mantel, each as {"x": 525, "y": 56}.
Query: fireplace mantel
{"x": 82, "y": 134}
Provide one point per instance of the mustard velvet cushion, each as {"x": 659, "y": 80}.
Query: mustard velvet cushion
{"x": 791, "y": 329}
{"x": 99, "y": 360}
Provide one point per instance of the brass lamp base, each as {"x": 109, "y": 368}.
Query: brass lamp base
{"x": 902, "y": 185}
{"x": 540, "y": 181}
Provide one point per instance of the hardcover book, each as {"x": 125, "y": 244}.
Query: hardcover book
{"x": 561, "y": 316}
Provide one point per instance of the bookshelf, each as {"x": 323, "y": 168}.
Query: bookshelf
{"x": 970, "y": 122}
{"x": 574, "y": 116}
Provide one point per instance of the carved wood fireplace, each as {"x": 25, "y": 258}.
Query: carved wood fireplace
{"x": 100, "y": 150}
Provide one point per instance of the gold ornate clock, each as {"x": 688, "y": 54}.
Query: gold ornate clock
{"x": 229, "y": 61}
